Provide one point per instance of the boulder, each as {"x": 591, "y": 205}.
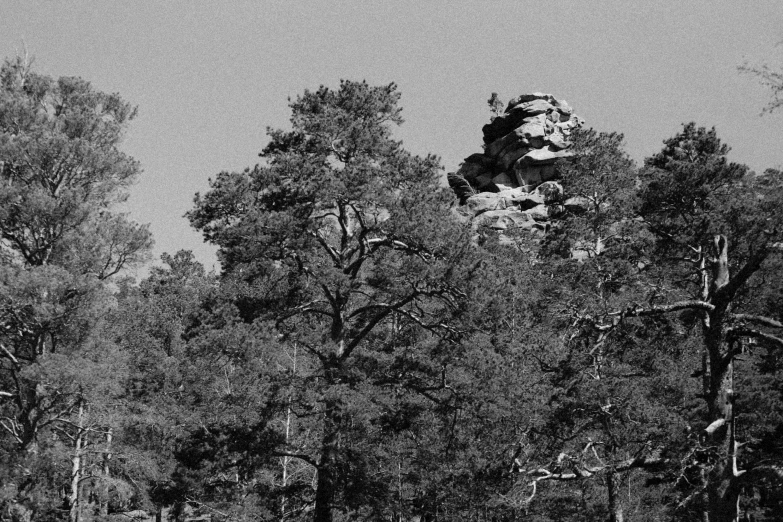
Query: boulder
{"x": 503, "y": 182}
{"x": 558, "y": 141}
{"x": 493, "y": 149}
{"x": 525, "y": 98}
{"x": 471, "y": 171}
{"x": 512, "y": 153}
{"x": 539, "y": 213}
{"x": 545, "y": 156}
{"x": 484, "y": 183}
{"x": 502, "y": 125}
{"x": 577, "y": 205}
{"x": 530, "y": 176}
{"x": 564, "y": 109}
{"x": 484, "y": 202}
{"x": 521, "y": 199}
{"x": 534, "y": 128}
{"x": 533, "y": 108}
{"x": 505, "y": 219}
{"x": 479, "y": 158}
{"x": 531, "y": 132}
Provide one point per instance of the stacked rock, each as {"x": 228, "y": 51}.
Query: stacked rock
{"x": 513, "y": 176}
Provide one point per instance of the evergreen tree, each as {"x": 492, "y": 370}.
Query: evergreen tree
{"x": 608, "y": 407}
{"x": 345, "y": 242}
{"x": 698, "y": 246}
{"x": 717, "y": 237}
{"x": 60, "y": 173}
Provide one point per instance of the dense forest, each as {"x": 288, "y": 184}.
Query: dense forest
{"x": 366, "y": 352}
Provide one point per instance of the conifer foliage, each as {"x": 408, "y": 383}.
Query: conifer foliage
{"x": 343, "y": 240}
{"x": 60, "y": 173}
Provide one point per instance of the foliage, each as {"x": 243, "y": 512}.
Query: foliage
{"x": 343, "y": 242}
{"x": 60, "y": 379}
{"x": 363, "y": 353}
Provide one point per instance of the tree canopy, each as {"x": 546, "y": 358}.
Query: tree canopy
{"x": 61, "y": 172}
{"x": 367, "y": 352}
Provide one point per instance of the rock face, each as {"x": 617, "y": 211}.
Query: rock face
{"x": 510, "y": 183}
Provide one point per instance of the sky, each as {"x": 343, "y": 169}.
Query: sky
{"x": 210, "y": 77}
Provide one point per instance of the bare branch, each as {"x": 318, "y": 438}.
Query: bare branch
{"x": 758, "y": 319}
{"x": 692, "y": 304}
{"x": 9, "y": 354}
{"x": 758, "y": 334}
{"x": 12, "y": 428}
{"x": 397, "y": 244}
{"x": 650, "y": 462}
{"x": 712, "y": 428}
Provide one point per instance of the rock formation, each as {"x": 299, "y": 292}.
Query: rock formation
{"x": 510, "y": 184}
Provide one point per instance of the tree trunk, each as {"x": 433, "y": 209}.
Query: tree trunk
{"x": 615, "y": 506}
{"x": 76, "y": 469}
{"x": 722, "y": 495}
{"x": 326, "y": 485}
{"x": 105, "y": 475}
{"x": 722, "y": 498}
{"x": 288, "y": 425}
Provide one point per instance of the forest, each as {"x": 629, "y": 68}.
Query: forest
{"x": 366, "y": 352}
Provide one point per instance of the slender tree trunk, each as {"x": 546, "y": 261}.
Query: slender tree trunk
{"x": 76, "y": 467}
{"x": 106, "y": 474}
{"x": 705, "y": 322}
{"x": 287, "y": 460}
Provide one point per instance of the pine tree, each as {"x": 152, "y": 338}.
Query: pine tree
{"x": 345, "y": 241}
{"x": 60, "y": 173}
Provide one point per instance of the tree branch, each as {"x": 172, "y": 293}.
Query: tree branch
{"x": 9, "y": 355}
{"x": 385, "y": 310}
{"x": 758, "y": 334}
{"x": 300, "y": 456}
{"x": 307, "y": 308}
{"x": 331, "y": 251}
{"x": 727, "y": 292}
{"x": 692, "y": 304}
{"x": 651, "y": 462}
{"x": 760, "y": 472}
{"x": 758, "y": 319}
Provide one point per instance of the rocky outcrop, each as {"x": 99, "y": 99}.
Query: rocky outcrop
{"x": 510, "y": 184}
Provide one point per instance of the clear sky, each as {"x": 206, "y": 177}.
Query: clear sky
{"x": 209, "y": 77}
